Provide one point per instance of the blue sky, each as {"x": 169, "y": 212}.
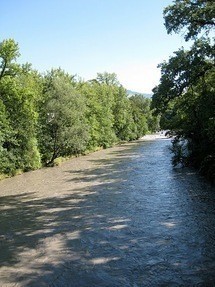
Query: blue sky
{"x": 85, "y": 37}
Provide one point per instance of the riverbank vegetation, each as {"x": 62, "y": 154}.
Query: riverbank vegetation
{"x": 44, "y": 117}
{"x": 185, "y": 97}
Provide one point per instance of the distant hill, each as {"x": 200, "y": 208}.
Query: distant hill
{"x": 132, "y": 93}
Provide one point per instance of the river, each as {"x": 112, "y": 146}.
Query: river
{"x": 118, "y": 217}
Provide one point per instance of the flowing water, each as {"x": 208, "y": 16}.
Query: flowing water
{"x": 118, "y": 217}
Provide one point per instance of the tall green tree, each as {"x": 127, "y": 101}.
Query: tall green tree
{"x": 138, "y": 104}
{"x": 9, "y": 52}
{"x": 185, "y": 96}
{"x": 190, "y": 16}
{"x": 123, "y": 118}
{"x": 18, "y": 94}
{"x": 62, "y": 127}
{"x": 99, "y": 95}
{"x": 7, "y": 143}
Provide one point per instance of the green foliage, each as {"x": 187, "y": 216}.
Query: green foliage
{"x": 62, "y": 127}
{"x": 99, "y": 100}
{"x": 123, "y": 118}
{"x": 18, "y": 93}
{"x": 105, "y": 99}
{"x": 109, "y": 79}
{"x": 9, "y": 51}
{"x": 18, "y": 99}
{"x": 192, "y": 15}
{"x": 182, "y": 71}
{"x": 7, "y": 143}
{"x": 143, "y": 115}
{"x": 44, "y": 119}
{"x": 185, "y": 96}
{"x": 138, "y": 103}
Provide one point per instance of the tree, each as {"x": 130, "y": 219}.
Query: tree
{"x": 107, "y": 78}
{"x": 182, "y": 71}
{"x": 7, "y": 143}
{"x": 123, "y": 119}
{"x": 111, "y": 115}
{"x": 18, "y": 93}
{"x": 9, "y": 51}
{"x": 192, "y": 15}
{"x": 100, "y": 99}
{"x": 139, "y": 107}
{"x": 62, "y": 127}
{"x": 185, "y": 96}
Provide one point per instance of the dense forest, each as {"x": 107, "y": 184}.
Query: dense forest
{"x": 54, "y": 115}
{"x": 185, "y": 97}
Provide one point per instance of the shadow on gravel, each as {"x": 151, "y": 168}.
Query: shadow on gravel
{"x": 113, "y": 232}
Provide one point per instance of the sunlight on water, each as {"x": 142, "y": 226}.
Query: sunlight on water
{"x": 119, "y": 217}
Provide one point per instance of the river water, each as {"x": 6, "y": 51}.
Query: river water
{"x": 119, "y": 217}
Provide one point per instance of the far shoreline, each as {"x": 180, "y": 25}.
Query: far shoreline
{"x": 154, "y": 137}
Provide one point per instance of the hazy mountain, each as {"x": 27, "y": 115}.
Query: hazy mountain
{"x": 132, "y": 93}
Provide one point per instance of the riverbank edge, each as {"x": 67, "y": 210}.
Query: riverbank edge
{"x": 61, "y": 160}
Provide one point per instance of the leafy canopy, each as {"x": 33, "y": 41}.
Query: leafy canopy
{"x": 193, "y": 16}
